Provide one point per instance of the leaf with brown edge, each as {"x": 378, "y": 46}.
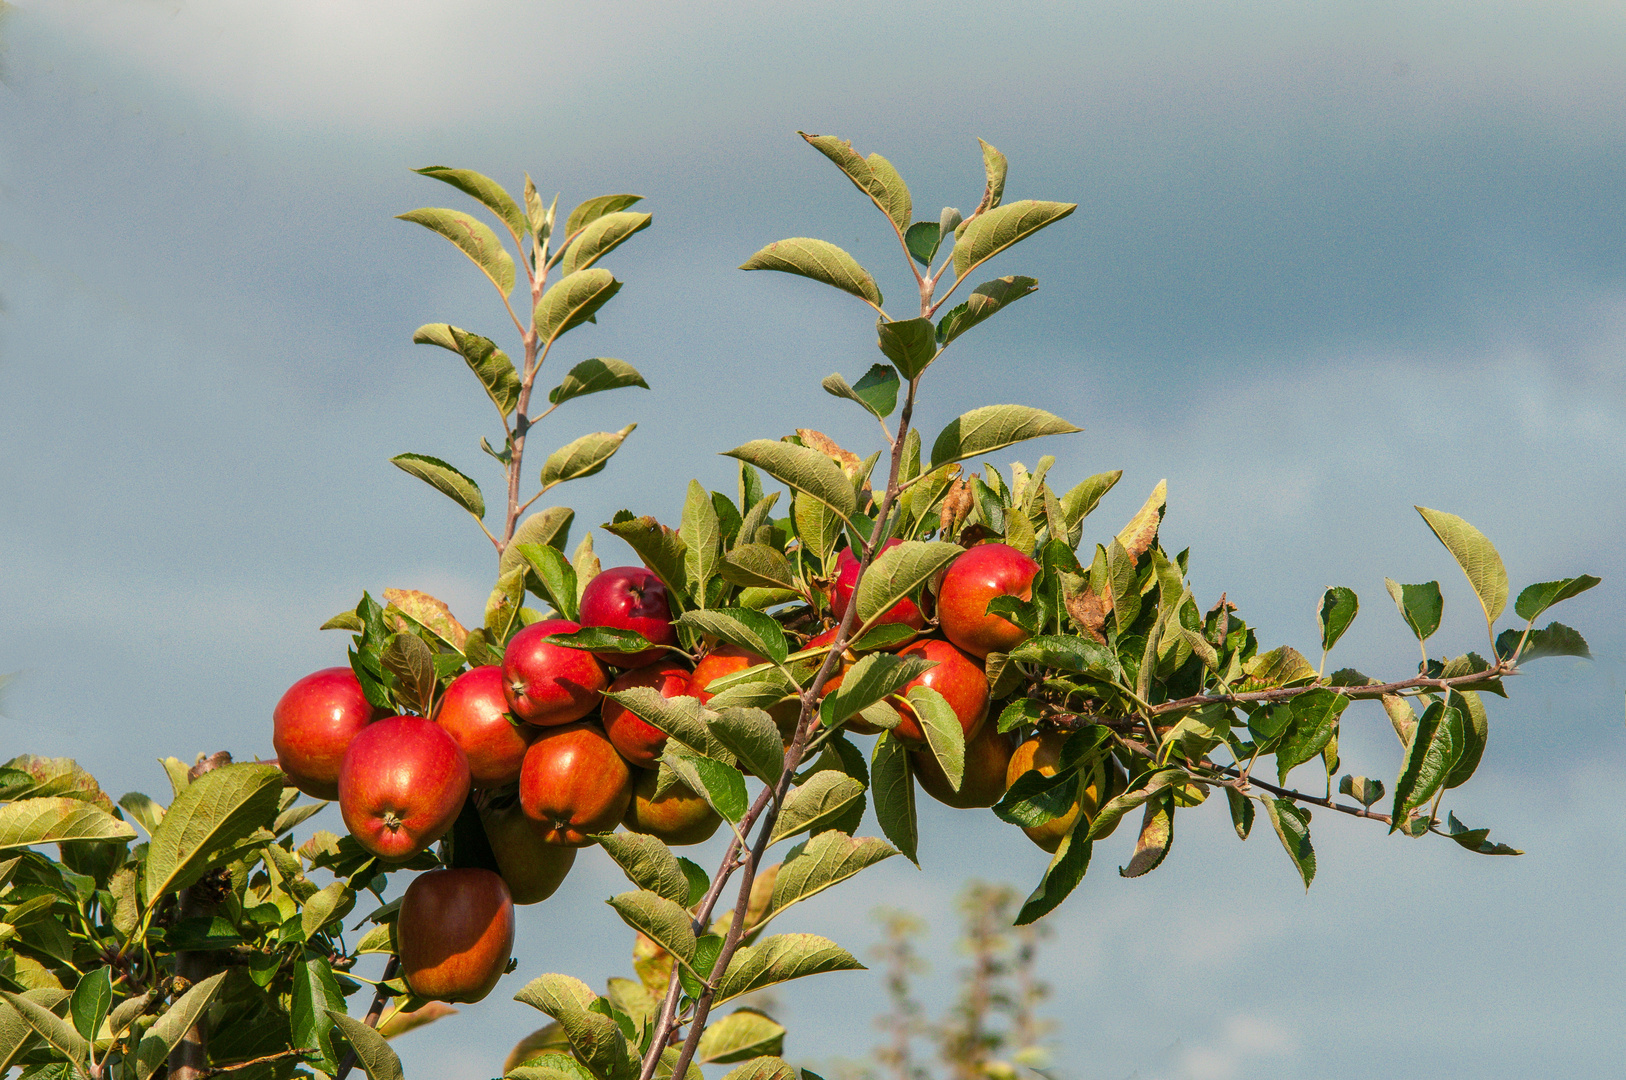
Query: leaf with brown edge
{"x": 1140, "y": 534}
{"x": 409, "y": 606}
{"x": 1156, "y": 834}
{"x": 1089, "y": 612}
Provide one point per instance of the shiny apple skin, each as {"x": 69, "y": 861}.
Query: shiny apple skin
{"x": 958, "y": 677}
{"x": 630, "y": 598}
{"x": 723, "y": 660}
{"x": 640, "y": 742}
{"x": 972, "y": 580}
{"x": 846, "y": 583}
{"x": 545, "y": 684}
{"x": 402, "y": 785}
{"x": 987, "y": 762}
{"x": 474, "y": 712}
{"x": 312, "y": 725}
{"x": 574, "y": 784}
{"x": 678, "y": 818}
{"x": 455, "y": 932}
{"x": 532, "y": 868}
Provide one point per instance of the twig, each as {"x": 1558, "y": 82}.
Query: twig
{"x": 379, "y": 1000}
{"x": 1283, "y": 693}
{"x": 266, "y": 1060}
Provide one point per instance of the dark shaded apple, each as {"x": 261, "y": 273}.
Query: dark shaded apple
{"x": 728, "y": 659}
{"x": 550, "y": 684}
{"x": 455, "y": 932}
{"x": 987, "y": 761}
{"x": 474, "y": 711}
{"x": 677, "y": 817}
{"x": 630, "y": 598}
{"x": 1042, "y": 752}
{"x": 846, "y": 583}
{"x": 972, "y": 580}
{"x": 312, "y": 725}
{"x": 402, "y": 785}
{"x": 638, "y": 741}
{"x": 574, "y": 784}
{"x": 532, "y": 868}
{"x": 960, "y": 680}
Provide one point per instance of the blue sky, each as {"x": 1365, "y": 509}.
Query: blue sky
{"x": 1329, "y": 261}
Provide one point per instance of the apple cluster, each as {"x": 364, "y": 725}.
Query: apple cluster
{"x": 552, "y": 761}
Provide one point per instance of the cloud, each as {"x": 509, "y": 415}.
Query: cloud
{"x": 1243, "y": 1041}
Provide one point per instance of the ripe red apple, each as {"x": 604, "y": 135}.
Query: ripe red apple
{"x": 550, "y": 684}
{"x": 531, "y": 867}
{"x": 972, "y": 580}
{"x": 639, "y": 742}
{"x": 987, "y": 761}
{"x": 846, "y": 582}
{"x": 857, "y": 725}
{"x": 314, "y": 722}
{"x": 723, "y": 660}
{"x": 402, "y": 784}
{"x": 574, "y": 783}
{"x": 455, "y": 932}
{"x": 679, "y": 817}
{"x": 630, "y": 598}
{"x": 957, "y": 677}
{"x": 475, "y": 713}
{"x": 1042, "y": 752}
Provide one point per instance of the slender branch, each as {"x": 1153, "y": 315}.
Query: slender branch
{"x": 1376, "y": 690}
{"x": 249, "y": 1064}
{"x": 379, "y": 1000}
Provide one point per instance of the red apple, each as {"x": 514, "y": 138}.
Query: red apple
{"x": 550, "y": 684}
{"x": 402, "y": 784}
{"x": 639, "y": 742}
{"x": 972, "y": 580}
{"x": 455, "y": 932}
{"x": 987, "y": 760}
{"x": 314, "y": 722}
{"x": 857, "y": 725}
{"x": 630, "y": 598}
{"x": 846, "y": 582}
{"x": 957, "y": 677}
{"x": 531, "y": 867}
{"x": 678, "y": 817}
{"x": 574, "y": 783}
{"x": 475, "y": 713}
{"x": 728, "y": 659}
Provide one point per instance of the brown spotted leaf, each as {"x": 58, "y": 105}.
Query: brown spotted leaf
{"x": 426, "y": 611}
{"x": 1140, "y": 534}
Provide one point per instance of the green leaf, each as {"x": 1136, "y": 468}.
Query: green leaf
{"x": 1539, "y": 597}
{"x": 583, "y": 457}
{"x": 1241, "y": 812}
{"x": 57, "y": 1032}
{"x": 595, "y": 1037}
{"x": 571, "y": 301}
{"x": 1066, "y": 653}
{"x": 1149, "y": 786}
{"x": 1314, "y": 725}
{"x": 600, "y": 238}
{"x": 874, "y": 176}
{"x": 489, "y": 363}
{"x": 16, "y": 1034}
{"x": 484, "y": 190}
{"x": 1156, "y": 836}
{"x": 911, "y": 344}
{"x": 1475, "y": 732}
{"x": 553, "y": 570}
{"x": 941, "y": 726}
{"x": 603, "y": 639}
{"x": 899, "y": 572}
{"x": 804, "y": 469}
{"x": 503, "y": 605}
{"x": 1122, "y": 586}
{"x": 380, "y": 939}
{"x": 764, "y": 1068}
{"x": 176, "y": 1021}
{"x": 995, "y": 165}
{"x": 994, "y": 427}
{"x": 985, "y": 301}
{"x": 742, "y": 1034}
{"x": 753, "y": 737}
{"x": 550, "y": 526}
{"x": 820, "y": 260}
{"x": 1292, "y": 826}
{"x": 1035, "y": 799}
{"x": 1436, "y": 744}
{"x": 55, "y": 819}
{"x": 722, "y": 786}
{"x": 1555, "y": 639}
{"x": 1477, "y": 557}
{"x": 750, "y": 630}
{"x": 660, "y": 548}
{"x": 817, "y": 802}
{"x": 474, "y": 238}
{"x": 333, "y": 902}
{"x": 592, "y": 376}
{"x": 1280, "y": 666}
{"x": 1061, "y": 877}
{"x": 595, "y": 208}
{"x": 442, "y": 477}
{"x": 220, "y": 809}
{"x": 819, "y": 862}
{"x": 757, "y": 565}
{"x": 372, "y": 1050}
{"x": 992, "y": 231}
{"x": 90, "y": 1001}
{"x": 1334, "y": 612}
{"x": 780, "y": 958}
{"x": 872, "y": 678}
{"x": 922, "y": 240}
{"x": 413, "y": 664}
{"x": 702, "y": 537}
{"x": 877, "y": 391}
{"x": 1420, "y": 605}
{"x": 1364, "y": 791}
{"x": 648, "y": 864}
{"x": 659, "y": 919}
{"x": 680, "y": 717}
{"x": 893, "y": 785}
{"x": 1475, "y": 840}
